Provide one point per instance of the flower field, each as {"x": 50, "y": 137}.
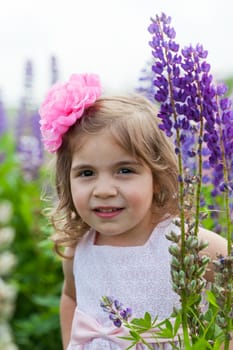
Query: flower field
{"x": 198, "y": 115}
{"x": 30, "y": 272}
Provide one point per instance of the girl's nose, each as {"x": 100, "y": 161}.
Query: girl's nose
{"x": 104, "y": 188}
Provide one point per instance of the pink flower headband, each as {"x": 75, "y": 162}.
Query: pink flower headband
{"x": 64, "y": 105}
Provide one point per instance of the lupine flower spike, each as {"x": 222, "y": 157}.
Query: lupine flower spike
{"x": 190, "y": 104}
{"x": 117, "y": 313}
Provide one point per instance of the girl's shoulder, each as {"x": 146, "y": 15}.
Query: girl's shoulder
{"x": 217, "y": 245}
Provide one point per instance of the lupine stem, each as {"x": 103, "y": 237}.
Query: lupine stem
{"x": 199, "y": 183}
{"x": 199, "y": 152}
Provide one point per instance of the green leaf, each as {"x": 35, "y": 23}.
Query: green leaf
{"x": 177, "y": 323}
{"x": 210, "y": 297}
{"x": 143, "y": 324}
{"x": 201, "y": 344}
{"x": 169, "y": 325}
{"x": 135, "y": 335}
{"x": 47, "y": 301}
{"x": 147, "y": 318}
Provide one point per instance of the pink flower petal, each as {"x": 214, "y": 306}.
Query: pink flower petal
{"x": 64, "y": 105}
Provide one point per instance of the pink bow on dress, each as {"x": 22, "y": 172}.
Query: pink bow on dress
{"x": 85, "y": 328}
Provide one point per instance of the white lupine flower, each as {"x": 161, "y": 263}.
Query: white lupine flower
{"x": 6, "y": 341}
{"x": 6, "y": 211}
{"x": 7, "y": 235}
{"x": 7, "y": 263}
{"x": 7, "y": 300}
{"x": 7, "y": 310}
{"x": 7, "y": 291}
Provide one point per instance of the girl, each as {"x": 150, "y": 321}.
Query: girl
{"x": 116, "y": 179}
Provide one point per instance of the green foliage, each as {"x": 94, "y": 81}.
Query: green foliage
{"x": 38, "y": 275}
{"x": 229, "y": 82}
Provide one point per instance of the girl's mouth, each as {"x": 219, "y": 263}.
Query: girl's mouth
{"x": 107, "y": 212}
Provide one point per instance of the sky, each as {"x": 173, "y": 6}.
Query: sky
{"x": 106, "y": 37}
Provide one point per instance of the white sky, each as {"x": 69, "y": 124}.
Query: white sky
{"x": 107, "y": 37}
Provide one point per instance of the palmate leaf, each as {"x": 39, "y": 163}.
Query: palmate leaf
{"x": 166, "y": 332}
{"x": 213, "y": 331}
{"x": 143, "y": 324}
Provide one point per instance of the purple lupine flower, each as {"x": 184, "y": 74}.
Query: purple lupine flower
{"x": 117, "y": 314}
{"x": 106, "y": 303}
{"x": 185, "y": 91}
{"x": 116, "y": 320}
{"x": 28, "y": 142}
{"x": 125, "y": 314}
{"x": 21, "y": 120}
{"x": 195, "y": 104}
{"x": 28, "y": 74}
{"x": 146, "y": 87}
{"x": 118, "y": 305}
{"x": 28, "y": 151}
{"x": 163, "y": 64}
{"x": 28, "y": 137}
{"x": 35, "y": 118}
{"x": 183, "y": 85}
{"x": 28, "y": 83}
{"x": 219, "y": 140}
{"x": 176, "y": 82}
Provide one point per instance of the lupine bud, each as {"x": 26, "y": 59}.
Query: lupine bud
{"x": 187, "y": 260}
{"x": 181, "y": 283}
{"x": 192, "y": 269}
{"x": 193, "y": 284}
{"x": 174, "y": 250}
{"x": 176, "y": 288}
{"x": 175, "y": 262}
{"x": 173, "y": 236}
{"x": 202, "y": 245}
{"x": 175, "y": 276}
{"x": 200, "y": 271}
{"x": 205, "y": 260}
{"x": 192, "y": 242}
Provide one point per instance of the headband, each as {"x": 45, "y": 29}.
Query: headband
{"x": 64, "y": 104}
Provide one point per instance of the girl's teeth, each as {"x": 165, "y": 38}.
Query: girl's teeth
{"x": 107, "y": 210}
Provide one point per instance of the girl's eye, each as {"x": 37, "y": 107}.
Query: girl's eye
{"x": 125, "y": 171}
{"x": 85, "y": 173}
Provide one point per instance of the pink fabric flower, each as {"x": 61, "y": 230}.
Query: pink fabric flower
{"x": 64, "y": 105}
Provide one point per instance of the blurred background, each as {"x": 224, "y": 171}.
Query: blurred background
{"x": 43, "y": 42}
{"x": 108, "y": 37}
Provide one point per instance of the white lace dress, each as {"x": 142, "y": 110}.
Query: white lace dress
{"x": 139, "y": 277}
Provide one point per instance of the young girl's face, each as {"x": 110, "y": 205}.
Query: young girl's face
{"x": 112, "y": 191}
